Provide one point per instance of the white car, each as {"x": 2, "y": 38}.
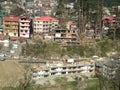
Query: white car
{"x": 2, "y": 57}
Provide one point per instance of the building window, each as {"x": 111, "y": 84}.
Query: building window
{"x": 23, "y": 23}
{"x": 26, "y": 31}
{"x": 7, "y": 25}
{"x": 15, "y": 34}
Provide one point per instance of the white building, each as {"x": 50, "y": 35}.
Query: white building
{"x": 24, "y": 27}
{"x": 60, "y": 68}
{"x": 44, "y": 24}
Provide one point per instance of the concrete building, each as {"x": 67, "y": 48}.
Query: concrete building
{"x": 66, "y": 37}
{"x": 44, "y": 24}
{"x": 71, "y": 66}
{"x": 10, "y": 25}
{"x": 24, "y": 27}
{"x": 107, "y": 68}
{"x": 71, "y": 25}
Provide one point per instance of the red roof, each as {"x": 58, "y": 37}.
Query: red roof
{"x": 108, "y": 18}
{"x": 11, "y": 18}
{"x": 46, "y": 18}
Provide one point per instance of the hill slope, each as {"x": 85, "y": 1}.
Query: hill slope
{"x": 10, "y": 73}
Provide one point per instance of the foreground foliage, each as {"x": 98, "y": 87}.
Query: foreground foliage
{"x": 47, "y": 50}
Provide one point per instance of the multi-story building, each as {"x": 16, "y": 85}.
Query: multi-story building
{"x": 107, "y": 68}
{"x": 10, "y": 26}
{"x": 59, "y": 68}
{"x": 24, "y": 27}
{"x": 109, "y": 24}
{"x": 66, "y": 37}
{"x": 71, "y": 25}
{"x": 44, "y": 24}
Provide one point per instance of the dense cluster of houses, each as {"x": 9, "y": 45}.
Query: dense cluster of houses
{"x": 24, "y": 27}
{"x": 37, "y": 20}
{"x": 31, "y": 7}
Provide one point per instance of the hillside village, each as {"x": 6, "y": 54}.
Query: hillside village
{"x": 60, "y": 38}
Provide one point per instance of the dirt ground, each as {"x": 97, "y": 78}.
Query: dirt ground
{"x": 10, "y": 73}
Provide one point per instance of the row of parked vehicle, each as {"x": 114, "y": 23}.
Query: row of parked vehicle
{"x": 9, "y": 57}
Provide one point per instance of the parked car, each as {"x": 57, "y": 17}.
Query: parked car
{"x": 2, "y": 57}
{"x": 15, "y": 57}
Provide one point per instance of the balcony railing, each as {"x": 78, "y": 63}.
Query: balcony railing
{"x": 24, "y": 24}
{"x": 24, "y": 21}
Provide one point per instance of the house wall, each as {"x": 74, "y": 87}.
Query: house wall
{"x": 64, "y": 69}
{"x": 41, "y": 26}
{"x": 66, "y": 36}
{"x": 10, "y": 28}
{"x": 24, "y": 27}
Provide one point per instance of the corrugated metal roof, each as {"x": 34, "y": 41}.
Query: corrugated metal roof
{"x": 11, "y": 18}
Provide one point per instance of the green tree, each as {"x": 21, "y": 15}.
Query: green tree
{"x": 17, "y": 11}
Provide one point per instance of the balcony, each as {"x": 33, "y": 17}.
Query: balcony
{"x": 6, "y": 22}
{"x": 24, "y": 24}
{"x": 14, "y": 27}
{"x": 24, "y": 28}
{"x": 6, "y": 27}
{"x": 14, "y": 23}
{"x": 24, "y": 21}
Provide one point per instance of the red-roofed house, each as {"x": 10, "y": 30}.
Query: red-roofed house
{"x": 44, "y": 24}
{"x": 108, "y": 18}
{"x": 108, "y": 22}
{"x": 10, "y": 26}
